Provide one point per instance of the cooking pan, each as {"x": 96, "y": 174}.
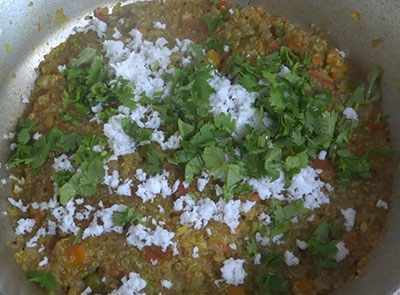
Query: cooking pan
{"x": 29, "y": 29}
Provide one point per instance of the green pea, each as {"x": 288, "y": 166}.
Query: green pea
{"x": 94, "y": 282}
{"x": 278, "y": 31}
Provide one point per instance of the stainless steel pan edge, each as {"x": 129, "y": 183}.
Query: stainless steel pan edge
{"x": 379, "y": 20}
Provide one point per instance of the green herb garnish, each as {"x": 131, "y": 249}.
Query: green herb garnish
{"x": 127, "y": 216}
{"x": 272, "y": 284}
{"x": 322, "y": 247}
{"x": 45, "y": 279}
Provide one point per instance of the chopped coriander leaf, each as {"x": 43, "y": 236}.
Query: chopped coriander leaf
{"x": 185, "y": 129}
{"x": 351, "y": 166}
{"x": 213, "y": 44}
{"x": 214, "y": 158}
{"x": 286, "y": 213}
{"x": 272, "y": 163}
{"x": 85, "y": 150}
{"x": 189, "y": 97}
{"x": 274, "y": 258}
{"x": 155, "y": 160}
{"x": 67, "y": 192}
{"x": 108, "y": 113}
{"x": 89, "y": 85}
{"x": 122, "y": 90}
{"x": 225, "y": 122}
{"x": 234, "y": 174}
{"x": 304, "y": 122}
{"x": 86, "y": 56}
{"x": 293, "y": 164}
{"x": 70, "y": 142}
{"x": 62, "y": 177}
{"x": 252, "y": 248}
{"x": 272, "y": 284}
{"x": 90, "y": 170}
{"x": 276, "y": 229}
{"x": 212, "y": 23}
{"x": 322, "y": 247}
{"x": 193, "y": 167}
{"x": 242, "y": 190}
{"x": 127, "y": 216}
{"x": 45, "y": 279}
{"x": 36, "y": 152}
{"x": 368, "y": 91}
{"x": 132, "y": 129}
{"x": 193, "y": 196}
{"x": 77, "y": 237}
{"x": 23, "y": 136}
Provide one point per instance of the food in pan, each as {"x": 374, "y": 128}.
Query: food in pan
{"x": 196, "y": 147}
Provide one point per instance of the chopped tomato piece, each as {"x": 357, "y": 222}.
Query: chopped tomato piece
{"x": 197, "y": 25}
{"x": 350, "y": 239}
{"x": 272, "y": 46}
{"x": 52, "y": 243}
{"x": 328, "y": 170}
{"x": 223, "y": 4}
{"x": 380, "y": 127}
{"x": 115, "y": 272}
{"x": 219, "y": 246}
{"x": 155, "y": 253}
{"x": 102, "y": 16}
{"x": 181, "y": 191}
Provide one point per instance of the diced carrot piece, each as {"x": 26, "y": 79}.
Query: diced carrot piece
{"x": 294, "y": 45}
{"x": 223, "y": 4}
{"x": 215, "y": 58}
{"x": 235, "y": 290}
{"x": 304, "y": 285}
{"x": 76, "y": 254}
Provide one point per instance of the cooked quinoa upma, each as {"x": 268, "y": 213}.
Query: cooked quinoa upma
{"x": 196, "y": 147}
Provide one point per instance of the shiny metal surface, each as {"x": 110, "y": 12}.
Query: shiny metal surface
{"x": 22, "y": 46}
